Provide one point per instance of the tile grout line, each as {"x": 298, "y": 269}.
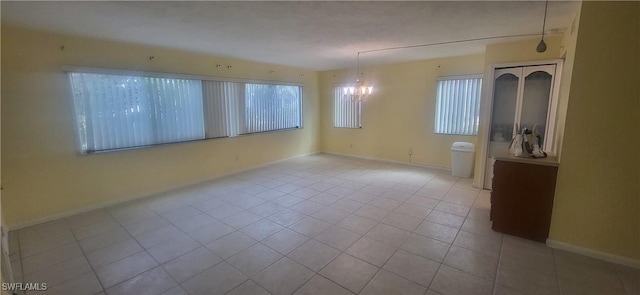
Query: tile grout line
{"x": 624, "y": 286}
{"x": 145, "y": 250}
{"x": 411, "y": 232}
{"x": 20, "y": 259}
{"x": 74, "y": 241}
{"x": 223, "y": 260}
{"x": 363, "y": 235}
{"x": 475, "y": 251}
{"x": 260, "y": 242}
{"x": 286, "y": 256}
{"x": 234, "y": 288}
{"x": 341, "y": 251}
{"x": 247, "y": 209}
{"x": 187, "y": 234}
{"x": 445, "y": 255}
{"x": 86, "y": 258}
{"x": 382, "y": 268}
{"x": 555, "y": 266}
{"x": 495, "y": 280}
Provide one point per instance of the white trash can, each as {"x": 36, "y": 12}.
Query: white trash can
{"x": 462, "y": 156}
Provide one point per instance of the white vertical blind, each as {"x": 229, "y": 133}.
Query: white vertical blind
{"x": 270, "y": 107}
{"x": 346, "y": 112}
{"x": 458, "y": 106}
{"x": 178, "y": 109}
{"x": 221, "y": 107}
{"x": 121, "y": 111}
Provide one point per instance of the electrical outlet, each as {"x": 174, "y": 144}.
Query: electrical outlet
{"x": 410, "y": 151}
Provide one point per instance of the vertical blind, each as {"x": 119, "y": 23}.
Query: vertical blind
{"x": 122, "y": 111}
{"x": 346, "y": 112}
{"x": 221, "y": 107}
{"x": 458, "y": 106}
{"x": 117, "y": 111}
{"x": 271, "y": 107}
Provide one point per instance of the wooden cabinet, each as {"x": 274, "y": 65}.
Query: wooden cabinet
{"x": 523, "y": 96}
{"x": 522, "y": 197}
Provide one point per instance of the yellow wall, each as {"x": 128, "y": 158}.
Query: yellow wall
{"x": 568, "y": 52}
{"x": 400, "y": 115}
{"x": 597, "y": 202}
{"x": 42, "y": 172}
{"x": 500, "y": 54}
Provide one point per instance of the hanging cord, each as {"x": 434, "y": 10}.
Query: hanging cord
{"x": 447, "y": 42}
{"x": 544, "y": 20}
{"x": 358, "y": 68}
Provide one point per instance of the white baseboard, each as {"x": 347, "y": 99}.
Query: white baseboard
{"x": 421, "y": 165}
{"x": 138, "y": 197}
{"x": 594, "y": 254}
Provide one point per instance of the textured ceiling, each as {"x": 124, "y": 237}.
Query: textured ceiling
{"x": 314, "y": 35}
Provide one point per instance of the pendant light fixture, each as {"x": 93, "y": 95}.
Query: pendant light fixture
{"x": 359, "y": 91}
{"x": 542, "y": 47}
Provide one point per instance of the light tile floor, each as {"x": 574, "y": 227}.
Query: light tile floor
{"x": 319, "y": 224}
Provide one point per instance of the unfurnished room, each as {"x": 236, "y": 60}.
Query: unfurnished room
{"x": 320, "y": 147}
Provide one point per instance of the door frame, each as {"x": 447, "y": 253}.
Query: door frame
{"x": 486, "y": 107}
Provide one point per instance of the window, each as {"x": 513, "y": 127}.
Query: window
{"x": 270, "y": 107}
{"x": 118, "y": 111}
{"x": 458, "y": 105}
{"x": 346, "y": 112}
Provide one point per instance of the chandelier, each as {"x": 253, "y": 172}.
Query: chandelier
{"x": 359, "y": 91}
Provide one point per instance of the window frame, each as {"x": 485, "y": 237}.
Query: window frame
{"x": 477, "y": 103}
{"x": 68, "y": 69}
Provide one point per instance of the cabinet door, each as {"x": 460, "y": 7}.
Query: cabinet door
{"x": 506, "y": 90}
{"x": 522, "y": 199}
{"x": 522, "y": 97}
{"x": 505, "y": 102}
{"x": 536, "y": 97}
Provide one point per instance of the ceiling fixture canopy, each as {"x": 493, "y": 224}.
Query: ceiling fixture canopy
{"x": 542, "y": 47}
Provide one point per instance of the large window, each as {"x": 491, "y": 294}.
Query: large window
{"x": 115, "y": 111}
{"x": 458, "y": 105}
{"x": 347, "y": 113}
{"x": 271, "y": 107}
